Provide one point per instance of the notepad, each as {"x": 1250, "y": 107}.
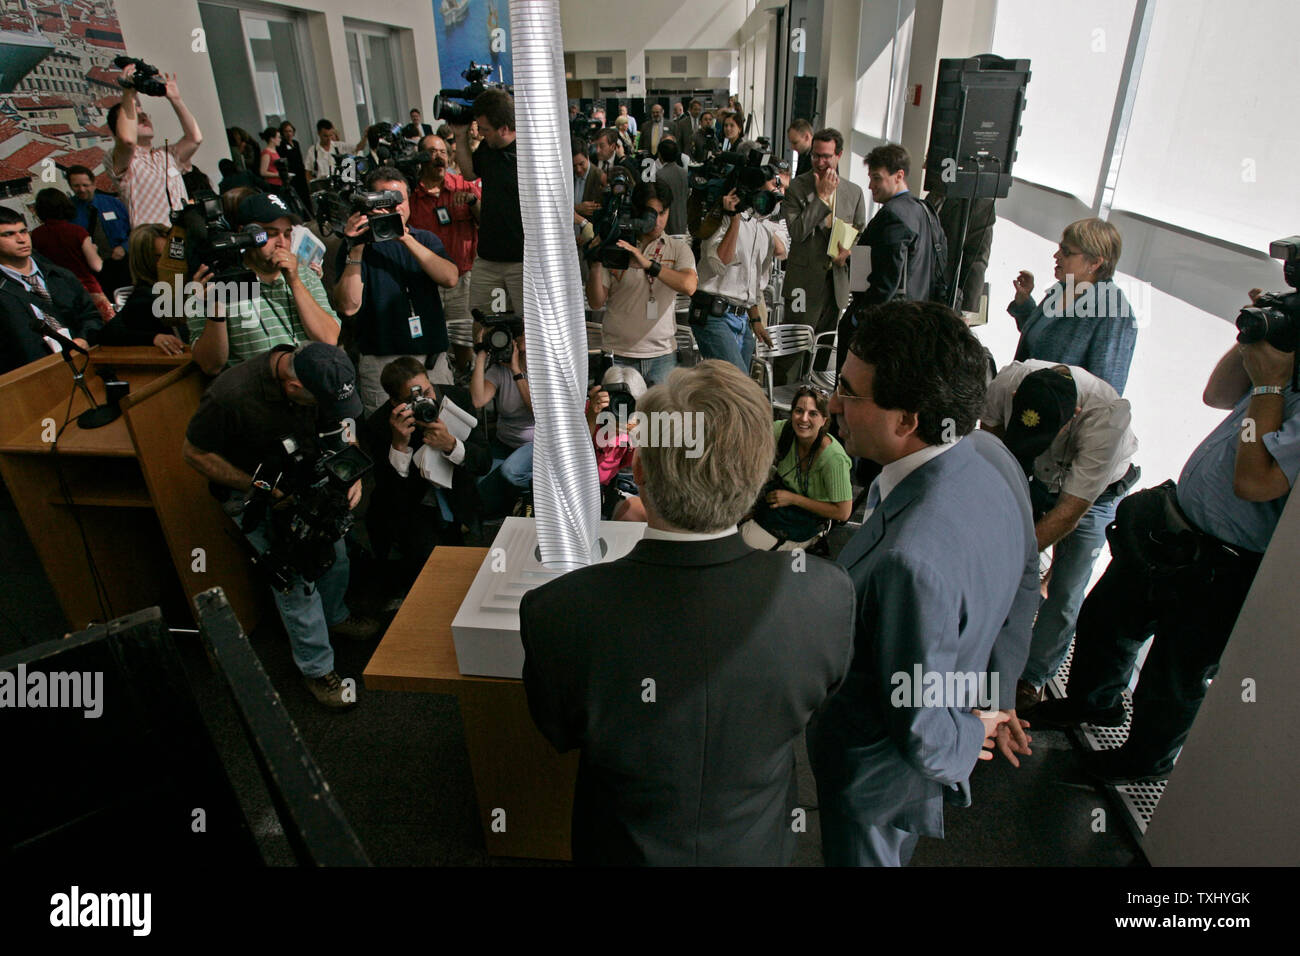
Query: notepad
{"x": 843, "y": 235}
{"x": 433, "y": 465}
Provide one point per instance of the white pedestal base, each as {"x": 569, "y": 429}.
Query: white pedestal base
{"x": 486, "y": 628}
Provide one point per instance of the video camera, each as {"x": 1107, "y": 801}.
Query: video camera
{"x": 726, "y": 171}
{"x": 387, "y": 225}
{"x": 305, "y": 526}
{"x": 391, "y": 148}
{"x": 146, "y": 79}
{"x": 210, "y": 241}
{"x": 616, "y": 219}
{"x": 583, "y": 127}
{"x": 456, "y": 114}
{"x": 499, "y": 334}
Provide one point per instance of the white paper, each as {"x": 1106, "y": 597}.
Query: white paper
{"x": 433, "y": 465}
{"x": 304, "y": 244}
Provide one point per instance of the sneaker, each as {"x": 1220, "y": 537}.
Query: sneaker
{"x": 328, "y": 690}
{"x": 1066, "y": 712}
{"x": 355, "y": 628}
{"x": 1027, "y": 697}
{"x": 1116, "y": 768}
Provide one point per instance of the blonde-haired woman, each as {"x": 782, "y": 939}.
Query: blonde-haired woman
{"x": 1084, "y": 319}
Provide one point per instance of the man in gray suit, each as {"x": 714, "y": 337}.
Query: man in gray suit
{"x": 816, "y": 286}
{"x": 937, "y": 567}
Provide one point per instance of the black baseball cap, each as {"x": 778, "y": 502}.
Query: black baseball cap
{"x": 328, "y": 373}
{"x": 262, "y": 208}
{"x": 1042, "y": 405}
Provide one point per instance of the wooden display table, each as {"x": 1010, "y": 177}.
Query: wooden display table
{"x": 120, "y": 492}
{"x": 515, "y": 768}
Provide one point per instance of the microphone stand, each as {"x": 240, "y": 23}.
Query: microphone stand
{"x": 97, "y": 415}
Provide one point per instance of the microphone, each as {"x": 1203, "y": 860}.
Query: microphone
{"x": 43, "y": 327}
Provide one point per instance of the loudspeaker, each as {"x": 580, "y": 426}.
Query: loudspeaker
{"x": 976, "y": 124}
{"x": 805, "y": 98}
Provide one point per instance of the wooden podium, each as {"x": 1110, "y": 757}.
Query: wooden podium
{"x": 524, "y": 788}
{"x": 119, "y": 495}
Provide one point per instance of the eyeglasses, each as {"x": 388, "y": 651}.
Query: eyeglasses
{"x": 845, "y": 396}
{"x": 1066, "y": 251}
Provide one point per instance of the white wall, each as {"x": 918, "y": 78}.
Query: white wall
{"x": 660, "y": 25}
{"x": 160, "y": 31}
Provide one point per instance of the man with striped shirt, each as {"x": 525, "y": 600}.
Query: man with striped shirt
{"x": 286, "y": 306}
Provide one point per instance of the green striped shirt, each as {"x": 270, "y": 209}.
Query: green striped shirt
{"x": 270, "y": 318}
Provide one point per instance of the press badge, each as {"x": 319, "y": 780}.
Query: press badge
{"x": 416, "y": 329}
{"x": 108, "y": 216}
{"x": 444, "y": 216}
{"x": 652, "y": 310}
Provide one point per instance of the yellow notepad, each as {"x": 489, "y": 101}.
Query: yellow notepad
{"x": 843, "y": 235}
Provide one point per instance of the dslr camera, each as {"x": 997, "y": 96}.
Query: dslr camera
{"x": 146, "y": 79}
{"x": 305, "y": 526}
{"x": 425, "y": 409}
{"x": 499, "y": 334}
{"x": 210, "y": 241}
{"x": 456, "y": 113}
{"x": 1274, "y": 317}
{"x": 726, "y": 171}
{"x": 386, "y": 225}
{"x": 617, "y": 219}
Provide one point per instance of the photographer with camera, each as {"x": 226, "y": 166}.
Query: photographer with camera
{"x": 412, "y": 506}
{"x": 500, "y": 373}
{"x": 447, "y": 205}
{"x": 323, "y": 156}
{"x": 388, "y": 282}
{"x": 289, "y": 305}
{"x": 734, "y": 264}
{"x": 1183, "y": 555}
{"x": 640, "y": 325}
{"x": 252, "y": 430}
{"x": 500, "y": 260}
{"x": 148, "y": 177}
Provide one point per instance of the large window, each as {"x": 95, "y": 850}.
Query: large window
{"x": 1214, "y": 139}
{"x": 258, "y": 63}
{"x": 1076, "y": 54}
{"x": 377, "y": 86}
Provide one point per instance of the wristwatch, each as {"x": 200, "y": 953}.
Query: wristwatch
{"x": 518, "y": 376}
{"x": 654, "y": 270}
{"x": 1267, "y": 390}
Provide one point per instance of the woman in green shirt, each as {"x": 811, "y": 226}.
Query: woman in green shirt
{"x": 810, "y": 484}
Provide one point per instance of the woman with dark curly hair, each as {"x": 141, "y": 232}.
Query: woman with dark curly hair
{"x": 810, "y": 482}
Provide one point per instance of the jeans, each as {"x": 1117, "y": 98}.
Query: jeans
{"x": 653, "y": 370}
{"x": 308, "y": 611}
{"x": 717, "y": 341}
{"x": 513, "y": 473}
{"x": 1074, "y": 556}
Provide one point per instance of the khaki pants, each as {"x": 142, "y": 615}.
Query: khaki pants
{"x": 455, "y": 305}
{"x": 490, "y": 278}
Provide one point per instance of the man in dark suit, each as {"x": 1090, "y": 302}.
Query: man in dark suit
{"x": 27, "y": 282}
{"x": 684, "y": 126}
{"x": 903, "y": 235}
{"x": 417, "y": 121}
{"x": 937, "y": 565}
{"x": 686, "y": 671}
{"x": 406, "y": 507}
{"x": 800, "y": 138}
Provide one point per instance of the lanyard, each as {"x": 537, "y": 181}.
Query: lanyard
{"x": 654, "y": 257}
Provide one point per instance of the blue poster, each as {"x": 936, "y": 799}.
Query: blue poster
{"x": 477, "y": 30}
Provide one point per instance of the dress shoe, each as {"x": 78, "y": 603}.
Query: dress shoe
{"x": 1027, "y": 696}
{"x": 1116, "y": 768}
{"x": 355, "y": 628}
{"x": 1066, "y": 712}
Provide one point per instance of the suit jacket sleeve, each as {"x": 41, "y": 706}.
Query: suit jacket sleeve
{"x": 913, "y": 615}
{"x": 82, "y": 316}
{"x": 887, "y": 237}
{"x": 550, "y": 701}
{"x": 804, "y": 213}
